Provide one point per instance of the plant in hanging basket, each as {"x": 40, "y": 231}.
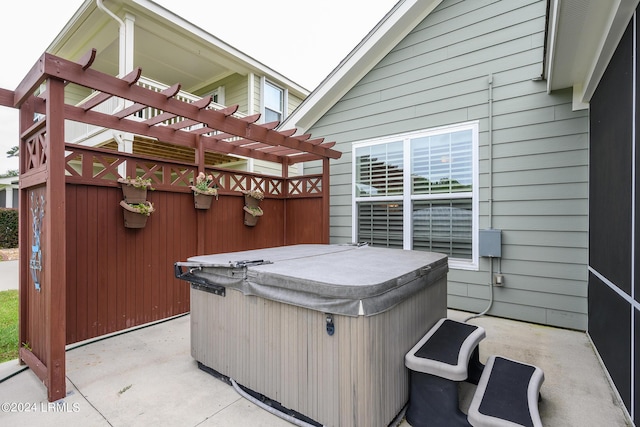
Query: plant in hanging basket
{"x": 137, "y": 182}
{"x": 203, "y": 185}
{"x": 254, "y": 194}
{"x": 251, "y": 207}
{"x": 251, "y": 215}
{"x": 203, "y": 192}
{"x": 136, "y": 214}
{"x": 135, "y": 189}
{"x": 253, "y": 210}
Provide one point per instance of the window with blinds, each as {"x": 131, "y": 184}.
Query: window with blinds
{"x": 380, "y": 170}
{"x": 442, "y": 163}
{"x": 419, "y": 191}
{"x": 443, "y": 226}
{"x": 380, "y": 224}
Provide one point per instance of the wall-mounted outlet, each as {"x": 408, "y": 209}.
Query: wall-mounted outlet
{"x": 498, "y": 280}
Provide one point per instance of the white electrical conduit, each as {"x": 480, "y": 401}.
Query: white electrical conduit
{"x": 490, "y": 295}
{"x": 490, "y": 120}
{"x": 268, "y": 408}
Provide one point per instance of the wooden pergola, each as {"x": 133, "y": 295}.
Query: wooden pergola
{"x": 50, "y": 280}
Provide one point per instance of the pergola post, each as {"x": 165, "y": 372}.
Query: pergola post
{"x": 285, "y": 194}
{"x": 326, "y": 199}
{"x": 43, "y": 241}
{"x": 201, "y": 217}
{"x": 26, "y": 121}
{"x": 54, "y": 239}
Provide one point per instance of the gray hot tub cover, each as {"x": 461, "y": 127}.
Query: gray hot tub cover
{"x": 340, "y": 279}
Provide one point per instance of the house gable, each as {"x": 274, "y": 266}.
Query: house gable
{"x": 439, "y": 75}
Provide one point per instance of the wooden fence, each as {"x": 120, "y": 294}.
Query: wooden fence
{"x": 119, "y": 277}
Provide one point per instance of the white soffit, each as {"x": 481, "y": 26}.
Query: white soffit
{"x": 160, "y": 34}
{"x": 582, "y": 36}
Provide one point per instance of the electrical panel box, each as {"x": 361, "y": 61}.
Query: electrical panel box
{"x": 490, "y": 243}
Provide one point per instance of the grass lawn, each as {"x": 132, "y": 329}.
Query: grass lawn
{"x": 8, "y": 325}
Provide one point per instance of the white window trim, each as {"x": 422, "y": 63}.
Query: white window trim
{"x": 407, "y": 198}
{"x": 285, "y": 104}
{"x": 251, "y": 94}
{"x": 219, "y": 91}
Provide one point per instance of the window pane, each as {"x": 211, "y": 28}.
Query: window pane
{"x": 380, "y": 224}
{"x": 442, "y": 163}
{"x": 443, "y": 226}
{"x": 271, "y": 116}
{"x": 379, "y": 170}
{"x": 273, "y": 97}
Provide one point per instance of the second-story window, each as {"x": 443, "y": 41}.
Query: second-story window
{"x": 273, "y": 109}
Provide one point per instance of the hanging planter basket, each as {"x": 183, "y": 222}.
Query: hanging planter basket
{"x": 135, "y": 215}
{"x": 202, "y": 198}
{"x": 251, "y": 215}
{"x": 251, "y": 202}
{"x": 252, "y": 210}
{"x": 134, "y": 190}
{"x": 202, "y": 201}
{"x": 203, "y": 191}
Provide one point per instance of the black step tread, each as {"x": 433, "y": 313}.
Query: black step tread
{"x": 446, "y": 349}
{"x": 508, "y": 391}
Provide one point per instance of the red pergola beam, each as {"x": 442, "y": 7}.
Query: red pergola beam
{"x": 72, "y": 72}
{"x": 6, "y": 97}
{"x": 164, "y": 133}
{"x": 131, "y": 78}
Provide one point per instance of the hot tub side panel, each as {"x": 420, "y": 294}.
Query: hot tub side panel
{"x": 354, "y": 378}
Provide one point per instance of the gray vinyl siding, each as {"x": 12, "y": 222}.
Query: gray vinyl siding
{"x": 438, "y": 75}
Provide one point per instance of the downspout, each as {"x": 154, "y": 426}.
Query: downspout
{"x": 111, "y": 14}
{"x": 122, "y": 145}
{"x": 122, "y": 46}
{"x": 122, "y": 36}
{"x": 125, "y": 145}
{"x": 490, "y": 200}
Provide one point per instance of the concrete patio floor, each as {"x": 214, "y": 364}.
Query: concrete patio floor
{"x": 148, "y": 377}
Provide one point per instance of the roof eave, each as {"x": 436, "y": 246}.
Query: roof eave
{"x": 573, "y": 61}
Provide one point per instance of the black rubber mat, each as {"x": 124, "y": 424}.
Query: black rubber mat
{"x": 444, "y": 345}
{"x": 505, "y": 396}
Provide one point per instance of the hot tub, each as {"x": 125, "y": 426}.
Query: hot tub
{"x": 321, "y": 329}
